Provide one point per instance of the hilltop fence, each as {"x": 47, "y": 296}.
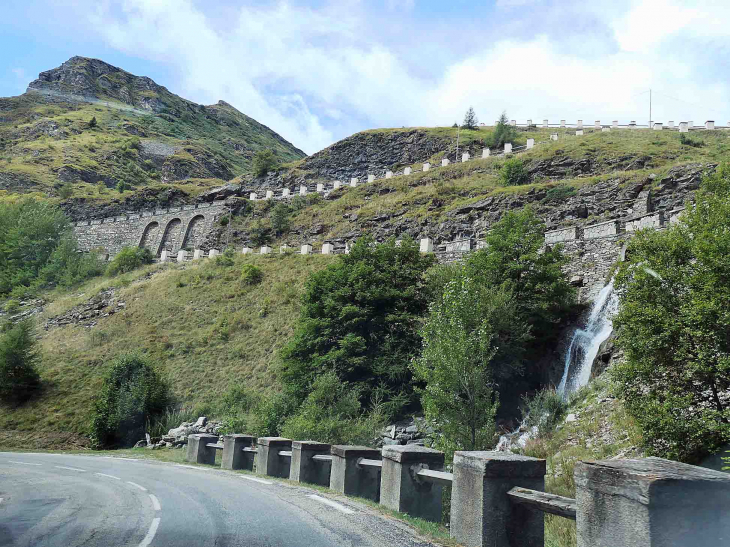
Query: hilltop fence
{"x": 498, "y": 498}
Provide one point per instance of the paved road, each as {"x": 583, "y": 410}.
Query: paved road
{"x": 59, "y": 500}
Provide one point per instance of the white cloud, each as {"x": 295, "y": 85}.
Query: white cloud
{"x": 313, "y": 75}
{"x": 400, "y": 5}
{"x": 19, "y": 73}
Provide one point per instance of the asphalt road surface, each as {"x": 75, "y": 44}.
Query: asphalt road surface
{"x": 59, "y": 500}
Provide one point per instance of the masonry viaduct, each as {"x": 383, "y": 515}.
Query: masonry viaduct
{"x": 160, "y": 230}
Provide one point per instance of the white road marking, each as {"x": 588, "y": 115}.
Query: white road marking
{"x": 151, "y": 533}
{"x": 155, "y": 502}
{"x": 254, "y": 479}
{"x": 25, "y": 463}
{"x": 137, "y": 485}
{"x": 108, "y": 476}
{"x": 70, "y": 468}
{"x": 331, "y": 503}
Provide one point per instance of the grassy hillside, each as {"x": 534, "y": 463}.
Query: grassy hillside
{"x": 141, "y": 137}
{"x": 205, "y": 329}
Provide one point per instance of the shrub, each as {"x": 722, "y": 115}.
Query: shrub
{"x": 12, "y": 306}
{"x": 65, "y": 191}
{"x": 560, "y": 192}
{"x": 503, "y": 133}
{"x": 689, "y": 141}
{"x": 543, "y": 410}
{"x": 280, "y": 218}
{"x": 226, "y": 260}
{"x": 92, "y": 123}
{"x": 67, "y": 266}
{"x": 19, "y": 378}
{"x": 251, "y": 274}
{"x": 260, "y": 232}
{"x": 513, "y": 172}
{"x": 128, "y": 259}
{"x": 264, "y": 161}
{"x": 121, "y": 186}
{"x": 132, "y": 395}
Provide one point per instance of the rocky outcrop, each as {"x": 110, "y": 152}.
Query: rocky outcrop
{"x": 88, "y": 314}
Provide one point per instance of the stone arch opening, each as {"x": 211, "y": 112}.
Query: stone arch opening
{"x": 171, "y": 238}
{"x": 149, "y": 236}
{"x": 194, "y": 232}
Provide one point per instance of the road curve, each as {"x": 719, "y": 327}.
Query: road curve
{"x": 60, "y": 500}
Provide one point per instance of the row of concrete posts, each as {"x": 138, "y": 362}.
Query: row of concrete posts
{"x": 498, "y": 498}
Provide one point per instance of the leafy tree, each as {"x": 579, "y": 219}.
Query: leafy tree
{"x": 92, "y": 123}
{"x": 19, "y": 378}
{"x": 360, "y": 319}
{"x": 260, "y": 231}
{"x": 68, "y": 266}
{"x": 128, "y": 259}
{"x": 280, "y": 218}
{"x": 264, "y": 161}
{"x": 121, "y": 186}
{"x": 503, "y": 132}
{"x": 132, "y": 394}
{"x": 470, "y": 119}
{"x": 513, "y": 173}
{"x": 463, "y": 335}
{"x": 673, "y": 325}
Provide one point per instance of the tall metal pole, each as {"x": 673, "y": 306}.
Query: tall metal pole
{"x": 650, "y": 127}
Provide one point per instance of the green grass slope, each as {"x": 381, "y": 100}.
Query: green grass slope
{"x": 202, "y": 325}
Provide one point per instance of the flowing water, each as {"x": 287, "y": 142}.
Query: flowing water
{"x": 578, "y": 362}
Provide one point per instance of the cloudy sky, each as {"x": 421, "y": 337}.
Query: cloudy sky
{"x": 317, "y": 71}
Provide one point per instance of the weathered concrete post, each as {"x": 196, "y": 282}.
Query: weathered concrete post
{"x": 402, "y": 490}
{"x": 353, "y": 182}
{"x": 197, "y": 253}
{"x": 328, "y": 249}
{"x": 632, "y": 124}
{"x": 562, "y": 123}
{"x": 213, "y": 253}
{"x": 691, "y": 124}
{"x": 579, "y": 133}
{"x": 337, "y": 184}
{"x": 614, "y": 124}
{"x": 683, "y": 127}
{"x": 306, "y": 249}
{"x": 306, "y": 469}
{"x": 302, "y": 190}
{"x": 347, "y": 477}
{"x": 233, "y": 455}
{"x": 265, "y": 250}
{"x": 465, "y": 157}
{"x": 426, "y": 245}
{"x": 530, "y": 143}
{"x": 508, "y": 148}
{"x": 485, "y": 153}
{"x": 283, "y": 249}
{"x": 182, "y": 255}
{"x": 371, "y": 178}
{"x": 246, "y": 250}
{"x": 269, "y": 194}
{"x": 579, "y": 125}
{"x": 481, "y": 512}
{"x": 268, "y": 461}
{"x": 320, "y": 187}
{"x": 710, "y": 125}
{"x": 285, "y": 193}
{"x": 407, "y": 171}
{"x": 658, "y": 126}
{"x": 426, "y": 166}
{"x": 197, "y": 452}
{"x": 389, "y": 174}
{"x": 444, "y": 162}
{"x": 164, "y": 256}
{"x": 545, "y": 124}
{"x": 651, "y": 502}
{"x": 252, "y": 196}
{"x": 597, "y": 124}
{"x": 513, "y": 122}
{"x": 554, "y": 137}
{"x": 529, "y": 123}
{"x": 670, "y": 124}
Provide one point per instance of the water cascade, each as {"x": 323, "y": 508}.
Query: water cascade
{"x": 578, "y": 364}
{"x": 586, "y": 342}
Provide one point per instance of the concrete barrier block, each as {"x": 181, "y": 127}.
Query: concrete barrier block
{"x": 353, "y": 182}
{"x": 554, "y": 137}
{"x": 252, "y": 196}
{"x": 602, "y": 229}
{"x": 485, "y": 153}
{"x": 371, "y": 178}
{"x": 389, "y": 174}
{"x": 670, "y": 124}
{"x": 632, "y": 124}
{"x": 283, "y": 249}
{"x": 306, "y": 469}
{"x": 579, "y": 125}
{"x": 683, "y": 127}
{"x": 465, "y": 157}
{"x": 508, "y": 148}
{"x": 407, "y": 171}
{"x": 198, "y": 452}
{"x": 654, "y": 220}
{"x": 269, "y": 194}
{"x": 562, "y": 123}
{"x": 197, "y": 253}
{"x": 614, "y": 124}
{"x": 513, "y": 122}
{"x": 529, "y": 123}
{"x": 164, "y": 257}
{"x": 658, "y": 126}
{"x": 182, "y": 256}
{"x": 285, "y": 193}
{"x": 651, "y": 502}
{"x": 402, "y": 490}
{"x": 481, "y": 513}
{"x": 444, "y": 162}
{"x": 337, "y": 184}
{"x": 328, "y": 249}
{"x": 233, "y": 455}
{"x": 268, "y": 461}
{"x": 306, "y": 249}
{"x": 545, "y": 124}
{"x": 246, "y": 250}
{"x": 605, "y": 130}
{"x": 597, "y": 124}
{"x": 265, "y": 250}
{"x": 213, "y": 253}
{"x": 564, "y": 234}
{"x": 320, "y": 187}
{"x": 302, "y": 190}
{"x": 530, "y": 143}
{"x": 426, "y": 166}
{"x": 426, "y": 245}
{"x": 347, "y": 477}
{"x": 579, "y": 133}
{"x": 710, "y": 125}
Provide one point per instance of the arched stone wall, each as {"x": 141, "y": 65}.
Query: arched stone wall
{"x": 194, "y": 232}
{"x": 149, "y": 236}
{"x": 171, "y": 238}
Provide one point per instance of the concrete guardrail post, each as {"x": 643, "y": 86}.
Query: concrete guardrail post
{"x": 481, "y": 512}
{"x": 402, "y": 490}
{"x": 651, "y": 502}
{"x": 268, "y": 461}
{"x": 348, "y": 477}
{"x": 306, "y": 469}
{"x": 233, "y": 455}
{"x": 198, "y": 452}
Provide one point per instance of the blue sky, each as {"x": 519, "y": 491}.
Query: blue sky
{"x": 318, "y": 71}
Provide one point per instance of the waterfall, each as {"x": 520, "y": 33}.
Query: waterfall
{"x": 578, "y": 363}
{"x": 586, "y": 342}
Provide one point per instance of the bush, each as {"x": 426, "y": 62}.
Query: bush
{"x": 128, "y": 259}
{"x": 689, "y": 141}
{"x": 12, "y": 306}
{"x": 513, "y": 173}
{"x": 263, "y": 162}
{"x": 92, "y": 123}
{"x": 67, "y": 266}
{"x": 251, "y": 274}
{"x": 280, "y": 218}
{"x": 561, "y": 192}
{"x": 227, "y": 259}
{"x": 65, "y": 191}
{"x": 543, "y": 410}
{"x": 260, "y": 232}
{"x": 19, "y": 378}
{"x": 133, "y": 394}
{"x": 121, "y": 186}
